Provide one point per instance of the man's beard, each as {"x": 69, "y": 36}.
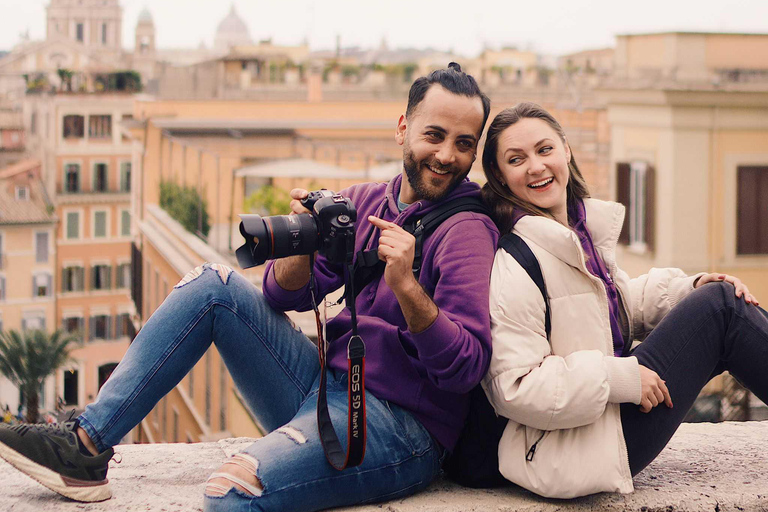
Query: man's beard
{"x": 417, "y": 177}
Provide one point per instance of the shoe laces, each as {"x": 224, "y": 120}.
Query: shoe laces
{"x": 64, "y": 429}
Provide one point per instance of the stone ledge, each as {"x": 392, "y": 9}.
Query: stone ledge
{"x": 718, "y": 467}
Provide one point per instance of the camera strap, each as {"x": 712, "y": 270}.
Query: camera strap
{"x": 356, "y": 422}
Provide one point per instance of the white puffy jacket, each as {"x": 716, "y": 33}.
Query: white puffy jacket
{"x": 564, "y": 437}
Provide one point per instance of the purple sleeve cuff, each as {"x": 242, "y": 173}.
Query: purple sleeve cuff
{"x": 431, "y": 342}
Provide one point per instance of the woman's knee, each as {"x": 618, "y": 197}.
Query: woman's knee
{"x": 719, "y": 293}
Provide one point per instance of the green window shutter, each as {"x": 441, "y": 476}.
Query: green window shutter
{"x": 73, "y": 225}
{"x": 100, "y": 224}
{"x": 125, "y": 223}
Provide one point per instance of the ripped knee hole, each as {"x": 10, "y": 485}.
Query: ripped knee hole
{"x": 241, "y": 474}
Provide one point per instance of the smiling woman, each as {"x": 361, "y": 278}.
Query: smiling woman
{"x": 587, "y": 407}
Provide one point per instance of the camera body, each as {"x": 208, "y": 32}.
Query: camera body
{"x": 329, "y": 228}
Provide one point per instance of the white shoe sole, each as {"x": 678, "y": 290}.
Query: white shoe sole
{"x": 77, "y": 490}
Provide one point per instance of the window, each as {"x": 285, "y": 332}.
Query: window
{"x": 2, "y": 256}
{"x": 124, "y": 326}
{"x": 101, "y": 277}
{"x": 751, "y": 207}
{"x": 123, "y": 275}
{"x": 74, "y": 127}
{"x": 22, "y": 193}
{"x": 33, "y": 320}
{"x": 100, "y": 224}
{"x": 41, "y": 247}
{"x": 100, "y": 171}
{"x": 2, "y": 288}
{"x": 73, "y": 279}
{"x": 73, "y": 225}
{"x": 33, "y": 123}
{"x": 100, "y": 127}
{"x": 70, "y": 387}
{"x": 99, "y": 327}
{"x": 125, "y": 177}
{"x": 636, "y": 191}
{"x": 72, "y": 178}
{"x": 41, "y": 285}
{"x": 105, "y": 372}
{"x": 80, "y": 32}
{"x": 125, "y": 223}
{"x": 104, "y": 33}
{"x": 75, "y": 326}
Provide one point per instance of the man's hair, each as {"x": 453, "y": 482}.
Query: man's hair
{"x": 453, "y": 79}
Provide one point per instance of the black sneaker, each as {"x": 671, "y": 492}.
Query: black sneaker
{"x": 51, "y": 454}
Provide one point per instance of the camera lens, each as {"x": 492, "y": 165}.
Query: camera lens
{"x": 277, "y": 236}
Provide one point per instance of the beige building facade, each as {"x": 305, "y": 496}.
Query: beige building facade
{"x": 28, "y": 226}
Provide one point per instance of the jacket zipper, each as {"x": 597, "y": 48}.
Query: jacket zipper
{"x": 532, "y": 450}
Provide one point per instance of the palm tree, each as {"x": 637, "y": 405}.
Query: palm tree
{"x": 27, "y": 358}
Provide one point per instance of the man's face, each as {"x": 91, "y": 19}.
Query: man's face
{"x": 439, "y": 142}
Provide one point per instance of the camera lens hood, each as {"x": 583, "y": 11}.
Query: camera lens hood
{"x": 256, "y": 248}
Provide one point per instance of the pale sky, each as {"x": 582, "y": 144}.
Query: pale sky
{"x": 464, "y": 26}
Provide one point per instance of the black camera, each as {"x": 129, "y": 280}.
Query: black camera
{"x": 329, "y": 229}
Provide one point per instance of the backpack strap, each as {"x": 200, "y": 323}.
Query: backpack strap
{"x": 423, "y": 227}
{"x": 519, "y": 250}
{"x": 367, "y": 265}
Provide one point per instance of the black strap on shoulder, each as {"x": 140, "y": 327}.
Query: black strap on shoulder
{"x": 519, "y": 250}
{"x": 367, "y": 264}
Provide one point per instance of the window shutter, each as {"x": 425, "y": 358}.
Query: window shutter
{"x": 73, "y": 225}
{"x": 108, "y": 277}
{"x": 49, "y": 285}
{"x": 41, "y": 251}
{"x": 91, "y": 328}
{"x": 622, "y": 196}
{"x": 749, "y": 208}
{"x": 650, "y": 207}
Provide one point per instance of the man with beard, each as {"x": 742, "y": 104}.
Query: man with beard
{"x": 427, "y": 341}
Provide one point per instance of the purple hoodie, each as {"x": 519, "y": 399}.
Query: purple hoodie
{"x": 429, "y": 373}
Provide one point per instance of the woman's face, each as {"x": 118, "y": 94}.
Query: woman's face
{"x": 533, "y": 162}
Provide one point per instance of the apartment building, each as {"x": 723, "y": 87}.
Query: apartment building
{"x": 87, "y": 167}
{"x": 28, "y": 224}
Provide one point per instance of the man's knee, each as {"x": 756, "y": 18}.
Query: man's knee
{"x": 238, "y": 472}
{"x": 223, "y": 272}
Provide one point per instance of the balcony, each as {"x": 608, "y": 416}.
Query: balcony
{"x": 110, "y": 196}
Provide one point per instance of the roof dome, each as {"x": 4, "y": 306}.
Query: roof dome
{"x": 145, "y": 16}
{"x": 232, "y": 31}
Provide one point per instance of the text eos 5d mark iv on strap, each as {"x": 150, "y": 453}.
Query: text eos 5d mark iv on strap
{"x": 329, "y": 228}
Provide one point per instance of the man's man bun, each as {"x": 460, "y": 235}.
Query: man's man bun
{"x": 455, "y": 66}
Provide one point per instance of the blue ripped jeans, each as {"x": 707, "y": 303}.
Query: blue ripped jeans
{"x": 276, "y": 369}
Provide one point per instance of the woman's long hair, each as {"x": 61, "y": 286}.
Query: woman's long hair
{"x": 495, "y": 194}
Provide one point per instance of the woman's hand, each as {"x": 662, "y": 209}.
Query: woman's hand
{"x": 741, "y": 288}
{"x": 654, "y": 390}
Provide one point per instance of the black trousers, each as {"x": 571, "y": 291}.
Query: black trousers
{"x": 707, "y": 333}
